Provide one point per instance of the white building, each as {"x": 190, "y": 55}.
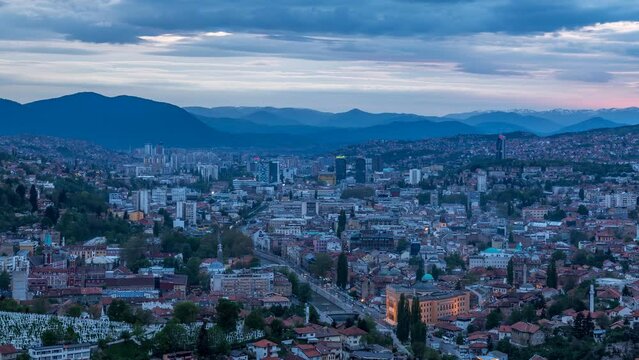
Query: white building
{"x": 178, "y": 194}
{"x": 187, "y": 211}
{"x": 158, "y": 196}
{"x": 481, "y": 182}
{"x": 141, "y": 200}
{"x": 414, "y": 176}
{"x": 491, "y": 257}
{"x": 208, "y": 172}
{"x": 61, "y": 352}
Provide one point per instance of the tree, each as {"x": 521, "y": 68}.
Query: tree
{"x": 185, "y": 312}
{"x": 304, "y": 293}
{"x": 74, "y": 311}
{"x": 33, "y": 198}
{"x": 135, "y": 253}
{"x": 494, "y": 319}
{"x": 254, "y": 320}
{"x": 342, "y": 271}
{"x": 119, "y": 310}
{"x": 420, "y": 270}
{"x": 417, "y": 329}
{"x": 510, "y": 272}
{"x": 21, "y": 191}
{"x": 435, "y": 272}
{"x": 156, "y": 228}
{"x": 403, "y": 319}
{"x": 582, "y": 194}
{"x": 228, "y": 313}
{"x": 170, "y": 339}
{"x": 341, "y": 222}
{"x": 551, "y": 275}
{"x": 582, "y": 326}
{"x": 582, "y": 210}
{"x": 322, "y": 265}
{"x": 5, "y": 281}
{"x": 202, "y": 343}
{"x": 52, "y": 214}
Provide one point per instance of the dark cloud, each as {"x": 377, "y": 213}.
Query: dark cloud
{"x": 586, "y": 76}
{"x": 124, "y": 21}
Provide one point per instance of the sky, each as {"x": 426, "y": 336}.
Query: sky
{"x": 421, "y": 56}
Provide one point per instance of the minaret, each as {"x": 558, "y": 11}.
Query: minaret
{"x": 592, "y": 298}
{"x": 220, "y": 253}
{"x": 307, "y": 313}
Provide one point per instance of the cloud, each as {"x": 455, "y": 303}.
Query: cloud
{"x": 586, "y": 76}
{"x": 121, "y": 21}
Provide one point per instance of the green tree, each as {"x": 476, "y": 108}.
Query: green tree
{"x": 305, "y": 293}
{"x": 254, "y": 320}
{"x": 322, "y": 265}
{"x": 135, "y": 253}
{"x": 228, "y": 313}
{"x": 435, "y": 272}
{"x": 33, "y": 198}
{"x": 74, "y": 311}
{"x": 342, "y": 271}
{"x": 5, "y": 281}
{"x": 403, "y": 319}
{"x": 417, "y": 329}
{"x": 510, "y": 272}
{"x": 341, "y": 222}
{"x": 582, "y": 210}
{"x": 494, "y": 319}
{"x": 551, "y": 275}
{"x": 582, "y": 194}
{"x": 185, "y": 312}
{"x": 21, "y": 191}
{"x": 202, "y": 344}
{"x": 419, "y": 274}
{"x": 170, "y": 339}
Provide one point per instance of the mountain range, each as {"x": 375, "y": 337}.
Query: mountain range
{"x": 125, "y": 121}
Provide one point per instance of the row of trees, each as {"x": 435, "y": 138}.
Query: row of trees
{"x": 410, "y": 326}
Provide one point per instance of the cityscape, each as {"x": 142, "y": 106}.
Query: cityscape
{"x": 390, "y": 180}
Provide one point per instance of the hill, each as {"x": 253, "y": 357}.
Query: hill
{"x": 535, "y": 124}
{"x": 590, "y": 124}
{"x": 116, "y": 122}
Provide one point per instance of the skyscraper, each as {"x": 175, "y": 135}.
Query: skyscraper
{"x": 360, "y": 170}
{"x": 378, "y": 163}
{"x": 274, "y": 172}
{"x": 501, "y": 147}
{"x": 414, "y": 176}
{"x": 340, "y": 168}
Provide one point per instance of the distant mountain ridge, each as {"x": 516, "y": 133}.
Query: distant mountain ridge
{"x": 126, "y": 121}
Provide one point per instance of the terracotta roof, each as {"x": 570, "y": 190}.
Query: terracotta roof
{"x": 525, "y": 327}
{"x": 353, "y": 331}
{"x": 6, "y": 349}
{"x": 264, "y": 343}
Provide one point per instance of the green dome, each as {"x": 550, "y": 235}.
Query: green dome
{"x": 427, "y": 277}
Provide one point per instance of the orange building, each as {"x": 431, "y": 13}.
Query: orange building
{"x": 434, "y": 303}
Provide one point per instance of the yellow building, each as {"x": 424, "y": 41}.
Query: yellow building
{"x": 328, "y": 178}
{"x": 434, "y": 303}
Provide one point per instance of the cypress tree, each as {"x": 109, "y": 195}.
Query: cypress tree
{"x": 342, "y": 271}
{"x": 551, "y": 276}
{"x": 341, "y": 223}
{"x": 510, "y": 272}
{"x": 418, "y": 333}
{"x": 33, "y": 198}
{"x": 403, "y": 319}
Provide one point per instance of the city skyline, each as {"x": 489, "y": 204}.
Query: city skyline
{"x": 426, "y": 57}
